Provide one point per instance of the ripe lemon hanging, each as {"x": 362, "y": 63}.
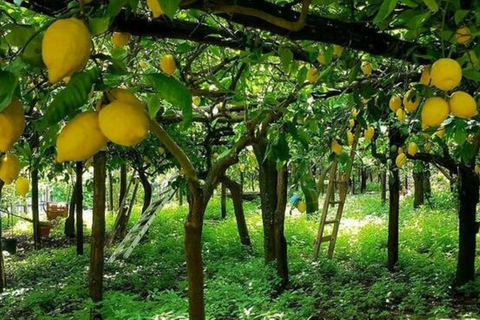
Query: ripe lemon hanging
{"x": 355, "y": 113}
{"x": 81, "y": 138}
{"x": 463, "y": 35}
{"x": 168, "y": 65}
{"x": 477, "y": 169}
{"x": 196, "y": 101}
{"x": 412, "y": 149}
{"x": 425, "y": 77}
{"x": 395, "y": 103}
{"x": 12, "y": 124}
{"x": 446, "y": 74}
{"x": 366, "y": 68}
{"x": 337, "y": 50}
{"x": 154, "y": 6}
{"x": 124, "y": 123}
{"x": 122, "y": 94}
{"x": 411, "y": 101}
{"x": 400, "y": 160}
{"x": 435, "y": 111}
{"x": 312, "y": 75}
{"x": 440, "y": 133}
{"x": 462, "y": 105}
{"x": 401, "y": 115}
{"x": 302, "y": 206}
{"x": 369, "y": 132}
{"x": 336, "y": 147}
{"x": 22, "y": 186}
{"x": 9, "y": 168}
{"x": 349, "y": 137}
{"x": 351, "y": 123}
{"x": 66, "y": 48}
{"x": 120, "y": 39}
{"x": 321, "y": 58}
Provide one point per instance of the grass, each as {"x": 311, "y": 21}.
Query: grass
{"x": 51, "y": 283}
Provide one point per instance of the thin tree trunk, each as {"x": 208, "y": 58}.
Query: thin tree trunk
{"x": 110, "y": 188}
{"x": 70, "y": 221}
{"x": 98, "y": 233}
{"x": 468, "y": 194}
{"x": 2, "y": 265}
{"x": 79, "y": 206}
{"x": 418, "y": 198}
{"x": 237, "y": 198}
{"x": 123, "y": 224}
{"x": 147, "y": 190}
{"x": 383, "y": 186}
{"x": 123, "y": 184}
{"x": 364, "y": 176}
{"x": 427, "y": 188}
{"x": 280, "y": 241}
{"x": 35, "y": 210}
{"x": 224, "y": 202}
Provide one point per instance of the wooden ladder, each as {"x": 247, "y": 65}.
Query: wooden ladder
{"x": 339, "y": 183}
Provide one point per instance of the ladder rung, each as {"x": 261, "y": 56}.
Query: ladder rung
{"x": 326, "y": 239}
{"x": 330, "y": 221}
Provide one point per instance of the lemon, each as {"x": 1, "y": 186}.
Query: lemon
{"x": 401, "y": 115}
{"x": 302, "y": 206}
{"x": 355, "y": 113}
{"x": 312, "y": 75}
{"x": 435, "y": 111}
{"x": 161, "y": 150}
{"x": 351, "y": 123}
{"x": 167, "y": 64}
{"x": 124, "y": 123}
{"x": 440, "y": 133}
{"x": 66, "y": 48}
{"x": 446, "y": 74}
{"x": 154, "y": 6}
{"x": 427, "y": 147}
{"x": 120, "y": 39}
{"x": 122, "y": 94}
{"x": 321, "y": 58}
{"x": 9, "y": 168}
{"x": 366, "y": 68}
{"x": 336, "y": 147}
{"x": 477, "y": 169}
{"x": 22, "y": 186}
{"x": 12, "y": 124}
{"x": 349, "y": 137}
{"x": 196, "y": 101}
{"x": 463, "y": 35}
{"x": 401, "y": 160}
{"x": 462, "y": 105}
{"x": 369, "y": 132}
{"x": 412, "y": 149}
{"x": 411, "y": 101}
{"x": 395, "y": 103}
{"x": 81, "y": 138}
{"x": 425, "y": 77}
{"x": 337, "y": 50}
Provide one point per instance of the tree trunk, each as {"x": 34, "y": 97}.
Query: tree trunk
{"x": 268, "y": 197}
{"x": 123, "y": 223}
{"x": 224, "y": 202}
{"x": 468, "y": 195}
{"x": 147, "y": 190}
{"x": 98, "y": 233}
{"x": 383, "y": 186}
{"x": 427, "y": 188}
{"x": 280, "y": 241}
{"x": 79, "y": 206}
{"x": 110, "y": 193}
{"x": 2, "y": 265}
{"x": 237, "y": 198}
{"x": 364, "y": 176}
{"x": 123, "y": 184}
{"x": 35, "y": 210}
{"x": 309, "y": 189}
{"x": 418, "y": 198}
{"x": 70, "y": 221}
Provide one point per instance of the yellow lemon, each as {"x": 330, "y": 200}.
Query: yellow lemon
{"x": 9, "y": 168}
{"x": 154, "y": 6}
{"x": 401, "y": 160}
{"x": 124, "y": 123}
{"x": 369, "y": 132}
{"x": 351, "y": 123}
{"x": 168, "y": 65}
{"x": 336, "y": 147}
{"x": 425, "y": 77}
{"x": 312, "y": 75}
{"x": 440, "y": 133}
{"x": 395, "y": 103}
{"x": 337, "y": 50}
{"x": 349, "y": 137}
{"x": 66, "y": 48}
{"x": 196, "y": 101}
{"x": 12, "y": 124}
{"x": 446, "y": 74}
{"x": 366, "y": 68}
{"x": 401, "y": 115}
{"x": 435, "y": 111}
{"x": 411, "y": 101}
{"x": 477, "y": 169}
{"x": 463, "y": 35}
{"x": 462, "y": 105}
{"x": 22, "y": 186}
{"x": 120, "y": 39}
{"x": 81, "y": 138}
{"x": 302, "y": 206}
{"x": 122, "y": 94}
{"x": 321, "y": 58}
{"x": 354, "y": 113}
{"x": 412, "y": 149}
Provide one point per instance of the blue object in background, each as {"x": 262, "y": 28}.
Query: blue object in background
{"x": 295, "y": 199}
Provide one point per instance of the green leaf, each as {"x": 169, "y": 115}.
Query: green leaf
{"x": 170, "y": 7}
{"x": 153, "y": 103}
{"x": 98, "y": 25}
{"x": 73, "y": 97}
{"x": 431, "y": 4}
{"x": 114, "y": 7}
{"x": 9, "y": 84}
{"x": 173, "y": 91}
{"x": 385, "y": 10}
{"x": 460, "y": 15}
{"x": 286, "y": 57}
{"x": 33, "y": 52}
{"x": 19, "y": 35}
{"x": 471, "y": 74}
